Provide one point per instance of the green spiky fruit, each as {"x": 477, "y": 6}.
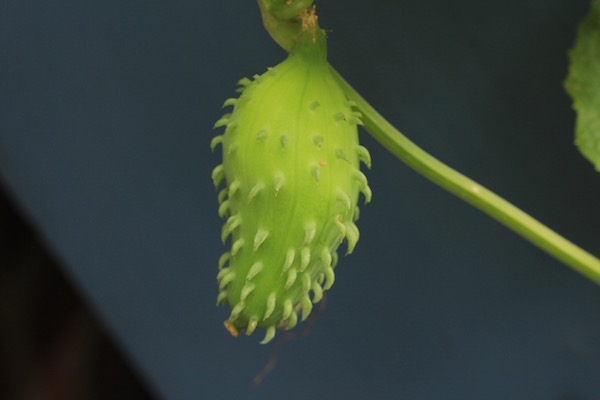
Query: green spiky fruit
{"x": 291, "y": 167}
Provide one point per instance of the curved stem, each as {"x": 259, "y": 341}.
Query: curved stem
{"x": 470, "y": 191}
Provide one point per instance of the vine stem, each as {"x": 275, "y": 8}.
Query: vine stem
{"x": 470, "y": 191}
{"x": 283, "y": 30}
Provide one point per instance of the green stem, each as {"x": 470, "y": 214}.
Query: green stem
{"x": 470, "y": 191}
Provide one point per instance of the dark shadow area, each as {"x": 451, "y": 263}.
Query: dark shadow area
{"x": 51, "y": 344}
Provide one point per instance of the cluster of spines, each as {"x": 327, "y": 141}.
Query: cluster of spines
{"x": 294, "y": 268}
{"x": 325, "y": 279}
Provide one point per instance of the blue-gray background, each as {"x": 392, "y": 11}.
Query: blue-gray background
{"x": 106, "y": 110}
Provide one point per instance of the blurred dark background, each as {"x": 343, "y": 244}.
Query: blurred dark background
{"x": 51, "y": 344}
{"x": 106, "y": 110}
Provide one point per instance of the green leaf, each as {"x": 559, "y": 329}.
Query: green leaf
{"x": 583, "y": 85}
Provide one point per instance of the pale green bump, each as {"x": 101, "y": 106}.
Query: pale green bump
{"x": 231, "y": 126}
{"x": 222, "y": 297}
{"x": 356, "y": 214}
{"x": 318, "y": 140}
{"x": 262, "y": 134}
{"x": 289, "y": 260}
{"x": 306, "y": 283}
{"x": 344, "y": 198}
{"x": 292, "y": 274}
{"x": 317, "y": 292}
{"x": 223, "y": 272}
{"x": 363, "y": 185}
{"x": 269, "y": 335}
{"x": 234, "y": 187}
{"x": 230, "y": 102}
{"x": 287, "y": 309}
{"x": 292, "y": 321}
{"x": 333, "y": 236}
{"x": 218, "y": 174}
{"x": 341, "y": 154}
{"x": 306, "y": 307}
{"x": 222, "y": 195}
{"x": 225, "y": 257}
{"x": 255, "y": 191}
{"x": 320, "y": 278}
{"x": 341, "y": 227}
{"x": 226, "y": 279}
{"x": 366, "y": 191}
{"x": 278, "y": 181}
{"x": 364, "y": 155}
{"x": 255, "y": 269}
{"x": 246, "y": 290}
{"x": 329, "y": 278}
{"x": 235, "y": 312}
{"x": 224, "y": 120}
{"x": 310, "y": 231}
{"x": 244, "y": 82}
{"x": 224, "y": 209}
{"x": 316, "y": 172}
{"x": 233, "y": 147}
{"x": 236, "y": 246}
{"x": 252, "y": 323}
{"x": 230, "y": 225}
{"x": 355, "y": 118}
{"x": 334, "y": 259}
{"x": 352, "y": 235}
{"x": 339, "y": 117}
{"x": 216, "y": 141}
{"x": 271, "y": 302}
{"x": 325, "y": 256}
{"x": 304, "y": 258}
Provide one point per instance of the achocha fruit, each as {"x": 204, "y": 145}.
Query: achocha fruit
{"x": 291, "y": 168}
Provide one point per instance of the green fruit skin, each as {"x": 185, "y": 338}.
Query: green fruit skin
{"x": 291, "y": 164}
